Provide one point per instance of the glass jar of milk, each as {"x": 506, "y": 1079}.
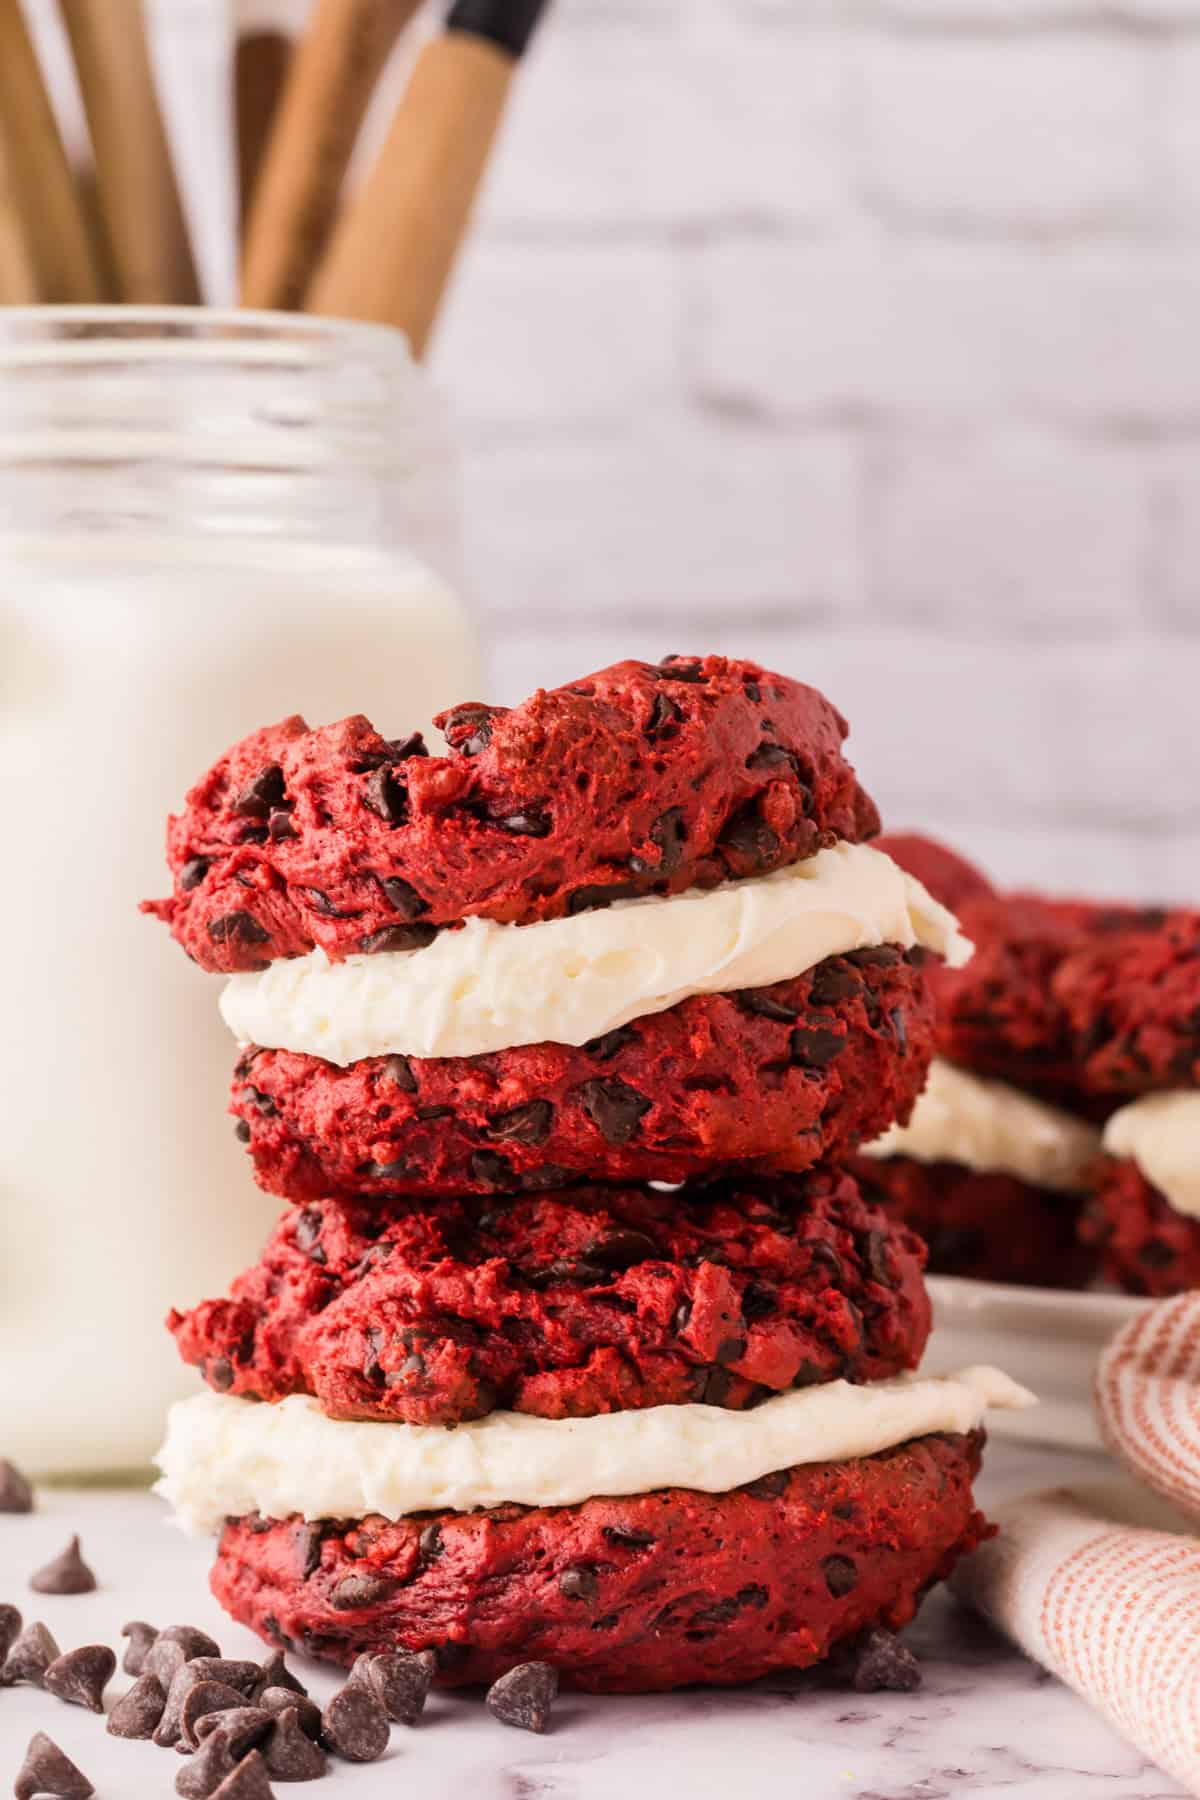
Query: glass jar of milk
{"x": 207, "y": 521}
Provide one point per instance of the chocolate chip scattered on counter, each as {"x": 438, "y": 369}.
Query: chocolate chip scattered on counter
{"x": 248, "y": 1781}
{"x": 30, "y": 1656}
{"x": 48, "y": 1770}
{"x": 276, "y": 1674}
{"x": 164, "y": 1660}
{"x": 289, "y": 1753}
{"x": 354, "y": 1723}
{"x": 237, "y": 1672}
{"x": 206, "y": 1697}
{"x": 16, "y": 1493}
{"x": 203, "y": 1773}
{"x": 10, "y": 1628}
{"x": 241, "y": 1728}
{"x": 191, "y": 1640}
{"x": 67, "y": 1574}
{"x": 141, "y": 1636}
{"x": 170, "y": 1727}
{"x": 400, "y": 1680}
{"x": 275, "y": 1700}
{"x": 80, "y": 1676}
{"x": 884, "y": 1665}
{"x": 137, "y": 1713}
{"x": 523, "y": 1697}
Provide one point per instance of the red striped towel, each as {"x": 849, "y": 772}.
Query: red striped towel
{"x": 1101, "y": 1584}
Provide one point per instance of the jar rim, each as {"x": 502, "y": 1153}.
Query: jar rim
{"x": 36, "y": 334}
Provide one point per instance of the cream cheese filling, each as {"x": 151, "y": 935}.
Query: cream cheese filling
{"x": 491, "y": 987}
{"x": 993, "y": 1129}
{"x": 224, "y": 1457}
{"x": 1161, "y": 1132}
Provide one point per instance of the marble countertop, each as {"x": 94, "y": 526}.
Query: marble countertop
{"x": 986, "y": 1725}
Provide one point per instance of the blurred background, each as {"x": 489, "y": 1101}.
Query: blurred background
{"x": 858, "y": 336}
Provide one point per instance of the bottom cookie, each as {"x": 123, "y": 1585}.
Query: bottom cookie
{"x": 1145, "y": 1246}
{"x": 629, "y": 1595}
{"x": 992, "y": 1227}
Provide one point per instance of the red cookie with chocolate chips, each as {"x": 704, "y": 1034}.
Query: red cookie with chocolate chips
{"x": 640, "y": 779}
{"x": 784, "y": 1076}
{"x": 622, "y": 1595}
{"x": 992, "y": 1227}
{"x": 1145, "y": 1246}
{"x": 592, "y": 1300}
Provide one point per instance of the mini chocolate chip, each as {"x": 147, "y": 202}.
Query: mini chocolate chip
{"x": 193, "y": 872}
{"x": 276, "y": 1674}
{"x": 468, "y": 728}
{"x": 715, "y": 1388}
{"x": 753, "y": 1594}
{"x": 523, "y": 1697}
{"x": 47, "y": 1770}
{"x": 430, "y": 1542}
{"x": 236, "y": 1672}
{"x": 752, "y": 691}
{"x": 399, "y": 1072}
{"x": 238, "y": 926}
{"x": 239, "y": 1729}
{"x": 669, "y": 832}
{"x": 309, "y": 1538}
{"x": 579, "y": 1583}
{"x": 615, "y": 1108}
{"x": 622, "y": 1249}
{"x": 768, "y": 1487}
{"x": 260, "y": 795}
{"x": 140, "y": 1636}
{"x": 392, "y": 1171}
{"x": 261, "y": 1103}
{"x": 16, "y": 1493}
{"x": 403, "y": 749}
{"x": 275, "y": 1700}
{"x": 213, "y": 1762}
{"x": 759, "y": 1302}
{"x": 595, "y": 898}
{"x": 528, "y": 1124}
{"x": 30, "y": 1656}
{"x": 611, "y": 1044}
{"x": 169, "y": 1729}
{"x": 674, "y": 668}
{"x": 841, "y": 1575}
{"x": 628, "y": 1538}
{"x": 248, "y": 1781}
{"x": 356, "y": 1591}
{"x": 814, "y": 1047}
{"x": 279, "y": 825}
{"x": 876, "y": 956}
{"x": 750, "y": 840}
{"x": 137, "y": 1713}
{"x": 664, "y": 719}
{"x": 80, "y": 1676}
{"x": 322, "y": 904}
{"x": 164, "y": 1660}
{"x": 495, "y": 1170}
{"x": 730, "y": 1350}
{"x": 708, "y": 1618}
{"x": 290, "y": 1753}
{"x": 1154, "y": 1254}
{"x": 899, "y": 1029}
{"x": 396, "y": 938}
{"x": 400, "y": 1681}
{"x": 218, "y": 1372}
{"x": 875, "y": 1255}
{"x": 252, "y": 834}
{"x": 354, "y": 1724}
{"x": 830, "y": 984}
{"x": 884, "y": 1665}
{"x": 763, "y": 1004}
{"x": 10, "y": 1628}
{"x": 241, "y": 1131}
{"x": 527, "y": 822}
{"x": 824, "y": 1256}
{"x": 67, "y": 1574}
{"x": 385, "y": 796}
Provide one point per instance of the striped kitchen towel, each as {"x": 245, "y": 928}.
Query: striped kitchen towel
{"x": 1101, "y": 1584}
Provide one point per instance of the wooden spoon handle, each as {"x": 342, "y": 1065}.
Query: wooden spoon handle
{"x": 391, "y": 256}
{"x": 334, "y": 71}
{"x": 142, "y": 214}
{"x": 39, "y": 173}
{"x": 261, "y": 64}
{"x": 18, "y": 276}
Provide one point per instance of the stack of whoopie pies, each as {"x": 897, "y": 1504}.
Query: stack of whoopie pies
{"x": 1072, "y": 1015}
{"x": 523, "y": 1401}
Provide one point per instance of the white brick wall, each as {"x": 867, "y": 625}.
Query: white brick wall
{"x": 861, "y": 336}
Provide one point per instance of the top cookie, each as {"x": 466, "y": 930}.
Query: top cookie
{"x": 640, "y": 779}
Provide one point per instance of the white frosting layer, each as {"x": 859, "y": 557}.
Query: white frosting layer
{"x": 225, "y": 1457}
{"x": 1161, "y": 1132}
{"x": 490, "y": 987}
{"x": 991, "y": 1128}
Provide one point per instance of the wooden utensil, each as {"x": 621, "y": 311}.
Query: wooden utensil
{"x": 140, "y": 208}
{"x": 18, "y": 277}
{"x": 392, "y": 252}
{"x": 39, "y": 173}
{"x": 334, "y": 71}
{"x": 260, "y": 69}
